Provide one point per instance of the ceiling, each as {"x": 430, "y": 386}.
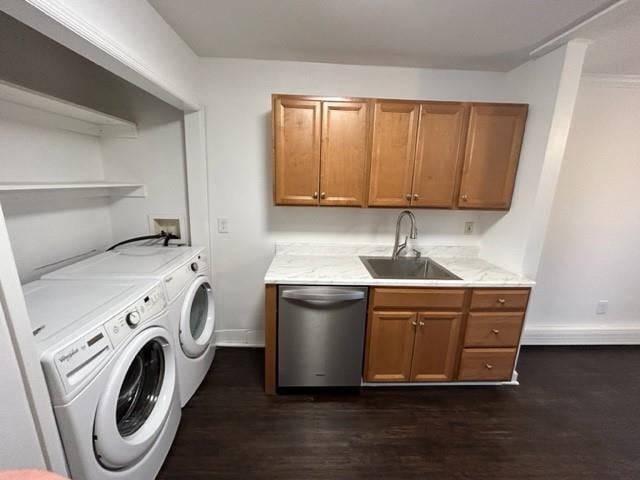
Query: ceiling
{"x": 461, "y": 34}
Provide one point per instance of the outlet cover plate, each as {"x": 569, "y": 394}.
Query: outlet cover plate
{"x": 602, "y": 307}
{"x": 468, "y": 228}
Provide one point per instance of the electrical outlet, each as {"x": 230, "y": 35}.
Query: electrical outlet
{"x": 468, "y": 228}
{"x": 602, "y": 307}
{"x": 158, "y": 224}
{"x": 223, "y": 225}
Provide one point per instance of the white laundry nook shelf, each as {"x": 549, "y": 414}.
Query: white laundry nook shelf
{"x": 100, "y": 188}
{"x": 28, "y": 106}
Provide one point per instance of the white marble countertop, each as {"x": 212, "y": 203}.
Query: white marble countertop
{"x": 337, "y": 264}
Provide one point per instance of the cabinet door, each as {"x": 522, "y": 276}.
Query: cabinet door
{"x": 344, "y": 153}
{"x": 491, "y": 157}
{"x": 390, "y": 346}
{"x": 297, "y": 151}
{"x": 392, "y": 157}
{"x": 436, "y": 347}
{"x": 439, "y": 154}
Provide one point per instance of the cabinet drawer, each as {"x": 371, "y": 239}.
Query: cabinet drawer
{"x": 418, "y": 298}
{"x": 493, "y": 329}
{"x": 486, "y": 364}
{"x": 503, "y": 299}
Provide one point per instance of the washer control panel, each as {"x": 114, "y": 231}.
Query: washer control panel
{"x": 122, "y": 325}
{"x": 77, "y": 360}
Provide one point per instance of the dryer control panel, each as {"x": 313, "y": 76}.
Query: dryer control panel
{"x": 181, "y": 277}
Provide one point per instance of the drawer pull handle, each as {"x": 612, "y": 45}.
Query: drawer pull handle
{"x": 488, "y": 366}
{"x": 502, "y": 301}
{"x": 495, "y": 331}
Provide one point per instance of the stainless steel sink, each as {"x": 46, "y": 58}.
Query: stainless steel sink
{"x": 403, "y": 267}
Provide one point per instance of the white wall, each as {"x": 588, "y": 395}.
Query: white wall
{"x": 21, "y": 447}
{"x": 237, "y": 95}
{"x": 591, "y": 251}
{"x": 549, "y": 85}
{"x": 19, "y": 352}
{"x": 48, "y": 227}
{"x": 128, "y": 38}
{"x": 157, "y": 159}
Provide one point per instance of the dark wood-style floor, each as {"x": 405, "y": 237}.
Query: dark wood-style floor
{"x": 576, "y": 415}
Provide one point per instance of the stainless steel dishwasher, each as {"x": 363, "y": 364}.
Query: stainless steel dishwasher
{"x": 321, "y": 336}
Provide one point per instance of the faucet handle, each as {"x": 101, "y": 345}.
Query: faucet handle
{"x": 418, "y": 253}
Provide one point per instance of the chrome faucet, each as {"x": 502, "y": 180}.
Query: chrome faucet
{"x": 397, "y": 246}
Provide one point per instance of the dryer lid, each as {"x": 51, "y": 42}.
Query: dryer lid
{"x": 129, "y": 261}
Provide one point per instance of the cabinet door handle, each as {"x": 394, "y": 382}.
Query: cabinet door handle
{"x": 323, "y": 195}
{"x": 488, "y": 366}
{"x": 502, "y": 301}
{"x": 495, "y": 331}
{"x": 408, "y": 196}
{"x": 421, "y": 323}
{"x": 464, "y": 197}
{"x": 415, "y": 196}
{"x": 315, "y": 195}
{"x": 414, "y": 323}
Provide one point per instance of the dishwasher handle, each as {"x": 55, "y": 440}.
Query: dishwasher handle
{"x": 323, "y": 297}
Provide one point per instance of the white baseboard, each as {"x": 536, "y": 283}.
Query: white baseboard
{"x": 561, "y": 335}
{"x": 239, "y": 338}
{"x": 547, "y": 335}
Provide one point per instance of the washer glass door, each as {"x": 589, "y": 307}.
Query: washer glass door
{"x": 138, "y": 397}
{"x": 140, "y": 388}
{"x": 197, "y": 318}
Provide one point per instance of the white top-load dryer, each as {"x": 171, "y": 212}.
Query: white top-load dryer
{"x": 109, "y": 360}
{"x": 189, "y": 294}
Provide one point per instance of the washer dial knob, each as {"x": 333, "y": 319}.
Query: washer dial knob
{"x": 194, "y": 266}
{"x": 133, "y": 318}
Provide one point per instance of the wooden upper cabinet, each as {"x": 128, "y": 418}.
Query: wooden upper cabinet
{"x": 390, "y": 346}
{"x": 491, "y": 157}
{"x": 296, "y": 151}
{"x": 395, "y": 153}
{"x": 436, "y": 347}
{"x": 392, "y": 157}
{"x": 344, "y": 161}
{"x": 439, "y": 154}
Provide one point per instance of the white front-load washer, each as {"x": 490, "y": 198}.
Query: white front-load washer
{"x": 189, "y": 294}
{"x": 109, "y": 360}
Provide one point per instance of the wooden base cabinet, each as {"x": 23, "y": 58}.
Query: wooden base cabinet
{"x": 487, "y": 364}
{"x": 390, "y": 346}
{"x": 419, "y": 344}
{"x": 443, "y": 334}
{"x": 425, "y": 335}
{"x": 435, "y": 347}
